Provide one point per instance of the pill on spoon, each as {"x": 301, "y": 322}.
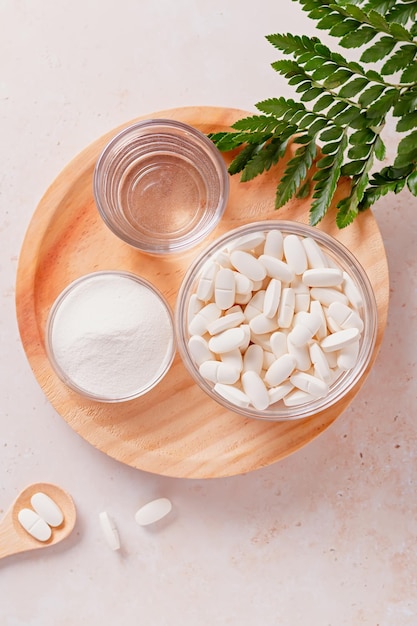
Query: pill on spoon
{"x": 34, "y": 524}
{"x": 110, "y": 532}
{"x": 47, "y": 509}
{"x": 153, "y": 511}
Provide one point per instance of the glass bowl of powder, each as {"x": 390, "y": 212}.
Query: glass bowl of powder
{"x": 110, "y": 336}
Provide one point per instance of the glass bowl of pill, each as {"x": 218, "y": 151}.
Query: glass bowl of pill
{"x": 276, "y": 320}
{"x": 161, "y": 186}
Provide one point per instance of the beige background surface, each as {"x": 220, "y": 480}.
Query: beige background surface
{"x": 326, "y": 536}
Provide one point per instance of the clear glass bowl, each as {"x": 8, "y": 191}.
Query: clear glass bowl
{"x": 343, "y": 258}
{"x": 161, "y": 186}
{"x": 110, "y": 336}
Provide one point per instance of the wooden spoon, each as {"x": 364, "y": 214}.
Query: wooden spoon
{"x": 14, "y": 538}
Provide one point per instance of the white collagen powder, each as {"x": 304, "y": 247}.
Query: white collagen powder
{"x": 112, "y": 336}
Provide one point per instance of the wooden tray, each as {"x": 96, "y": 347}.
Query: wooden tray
{"x": 175, "y": 430}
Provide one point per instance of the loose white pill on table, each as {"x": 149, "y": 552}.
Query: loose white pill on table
{"x": 219, "y": 372}
{"x": 274, "y": 244}
{"x": 227, "y": 340}
{"x": 261, "y": 324}
{"x": 348, "y": 356}
{"x": 280, "y": 370}
{"x": 253, "y": 358}
{"x": 233, "y": 395}
{"x": 278, "y": 343}
{"x": 295, "y": 254}
{"x": 231, "y": 320}
{"x": 34, "y": 524}
{"x": 243, "y": 284}
{"x": 286, "y": 307}
{"x": 277, "y": 393}
{"x": 272, "y": 297}
{"x": 315, "y": 255}
{"x": 351, "y": 291}
{"x": 110, "y": 532}
{"x": 337, "y": 341}
{"x": 323, "y": 277}
{"x": 224, "y": 289}
{"x": 199, "y": 349}
{"x": 247, "y": 264}
{"x": 205, "y": 287}
{"x": 275, "y": 268}
{"x": 327, "y": 295}
{"x": 344, "y": 316}
{"x": 300, "y": 354}
{"x": 47, "y": 509}
{"x": 310, "y": 384}
{"x": 255, "y": 389}
{"x": 297, "y": 397}
{"x": 153, "y": 511}
{"x": 209, "y": 313}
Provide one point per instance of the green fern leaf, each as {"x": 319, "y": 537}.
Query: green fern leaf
{"x": 295, "y": 172}
{"x": 407, "y": 122}
{"x": 263, "y": 159}
{"x": 378, "y": 50}
{"x": 400, "y": 59}
{"x": 402, "y": 13}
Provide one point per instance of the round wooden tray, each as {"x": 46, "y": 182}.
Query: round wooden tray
{"x": 174, "y": 430}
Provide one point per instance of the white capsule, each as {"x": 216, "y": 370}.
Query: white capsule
{"x": 227, "y": 340}
{"x": 286, "y": 307}
{"x": 347, "y": 356}
{"x": 199, "y": 349}
{"x": 243, "y": 284}
{"x": 310, "y": 384}
{"x": 233, "y": 395}
{"x": 280, "y": 370}
{"x": 339, "y": 340}
{"x": 153, "y": 511}
{"x": 300, "y": 354}
{"x": 224, "y": 289}
{"x": 231, "y": 320}
{"x": 275, "y": 268}
{"x": 253, "y": 358}
{"x": 317, "y": 309}
{"x": 255, "y": 389}
{"x": 219, "y": 372}
{"x": 278, "y": 343}
{"x": 297, "y": 397}
{"x": 315, "y": 256}
{"x": 209, "y": 313}
{"x": 261, "y": 324}
{"x": 247, "y": 264}
{"x": 248, "y": 242}
{"x": 34, "y": 524}
{"x": 321, "y": 364}
{"x": 233, "y": 358}
{"x": 274, "y": 244}
{"x": 295, "y": 254}
{"x": 110, "y": 531}
{"x": 327, "y": 295}
{"x": 272, "y": 297}
{"x": 205, "y": 288}
{"x": 47, "y": 509}
{"x": 351, "y": 291}
{"x": 323, "y": 277}
{"x": 277, "y": 393}
{"x": 345, "y": 317}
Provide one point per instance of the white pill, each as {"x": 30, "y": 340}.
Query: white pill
{"x": 224, "y": 289}
{"x": 302, "y": 295}
{"x": 261, "y": 324}
{"x": 247, "y": 264}
{"x": 345, "y": 317}
{"x": 315, "y": 256}
{"x": 247, "y": 337}
{"x": 275, "y": 268}
{"x": 234, "y": 358}
{"x": 327, "y": 295}
{"x": 295, "y": 254}
{"x": 248, "y": 242}
{"x": 243, "y": 298}
{"x": 255, "y": 305}
{"x": 347, "y": 356}
{"x": 331, "y": 324}
{"x": 272, "y": 297}
{"x": 277, "y": 393}
{"x": 34, "y": 524}
{"x": 280, "y": 370}
{"x": 219, "y": 372}
{"x": 205, "y": 288}
{"x": 110, "y": 531}
{"x": 339, "y": 340}
{"x": 47, "y": 509}
{"x": 297, "y": 397}
{"x": 233, "y": 395}
{"x": 253, "y": 358}
{"x": 274, "y": 244}
{"x": 243, "y": 284}
{"x": 209, "y": 313}
{"x": 321, "y": 364}
{"x": 286, "y": 307}
{"x": 227, "y": 340}
{"x": 317, "y": 309}
{"x": 153, "y": 511}
{"x": 194, "y": 306}
{"x": 255, "y": 389}
{"x": 234, "y": 309}
{"x": 223, "y": 259}
{"x": 305, "y": 329}
{"x": 263, "y": 340}
{"x": 269, "y": 358}
{"x": 352, "y": 292}
{"x": 226, "y": 321}
{"x": 323, "y": 277}
{"x": 278, "y": 343}
{"x": 300, "y": 354}
{"x": 199, "y": 349}
{"x": 310, "y": 384}
{"x": 331, "y": 358}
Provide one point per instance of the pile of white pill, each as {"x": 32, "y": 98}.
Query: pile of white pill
{"x": 44, "y": 515}
{"x": 273, "y": 318}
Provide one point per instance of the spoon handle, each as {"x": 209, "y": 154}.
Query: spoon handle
{"x": 9, "y": 541}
